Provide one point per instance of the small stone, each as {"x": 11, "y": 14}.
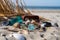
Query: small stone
{"x": 42, "y": 35}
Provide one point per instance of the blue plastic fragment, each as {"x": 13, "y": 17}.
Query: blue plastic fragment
{"x": 14, "y": 20}
{"x": 31, "y": 27}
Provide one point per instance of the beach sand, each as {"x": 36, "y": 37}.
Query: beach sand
{"x": 52, "y": 33}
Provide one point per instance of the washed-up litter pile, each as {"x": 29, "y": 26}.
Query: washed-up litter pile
{"x": 29, "y": 23}
{"x": 13, "y": 14}
{"x": 29, "y": 27}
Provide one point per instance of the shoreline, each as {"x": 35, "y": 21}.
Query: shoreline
{"x": 45, "y": 10}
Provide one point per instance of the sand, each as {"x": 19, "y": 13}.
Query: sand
{"x": 52, "y": 33}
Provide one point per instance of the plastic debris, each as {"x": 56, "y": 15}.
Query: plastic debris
{"x": 46, "y": 24}
{"x": 14, "y": 20}
{"x": 31, "y": 27}
{"x": 19, "y": 19}
{"x": 5, "y": 23}
{"x": 23, "y": 26}
{"x": 26, "y": 22}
